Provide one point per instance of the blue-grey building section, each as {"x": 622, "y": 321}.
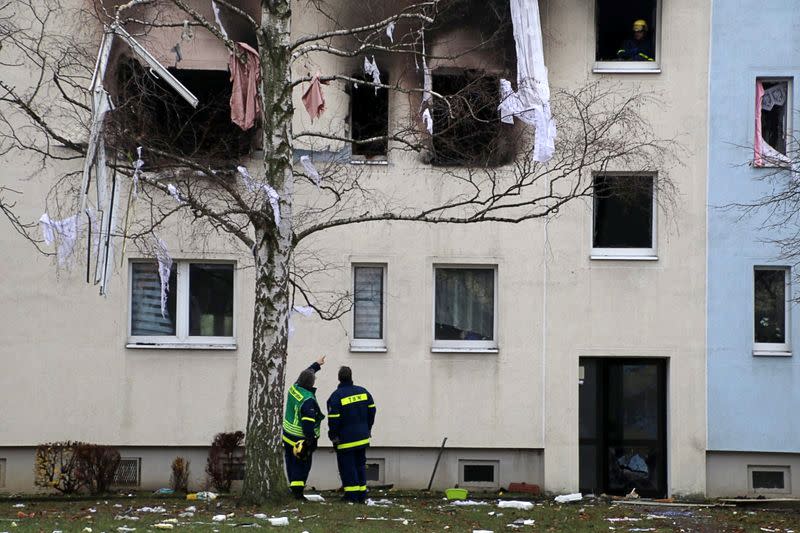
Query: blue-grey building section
{"x": 753, "y": 401}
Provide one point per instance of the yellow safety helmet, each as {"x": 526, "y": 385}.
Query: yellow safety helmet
{"x": 297, "y": 450}
{"x": 640, "y": 25}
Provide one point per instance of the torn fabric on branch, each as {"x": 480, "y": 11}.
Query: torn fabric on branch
{"x": 137, "y": 171}
{"x": 310, "y": 169}
{"x": 314, "y": 99}
{"x": 215, "y": 7}
{"x": 164, "y": 270}
{"x": 428, "y": 120}
{"x": 245, "y": 102}
{"x": 371, "y": 69}
{"x": 272, "y": 195}
{"x": 62, "y": 232}
{"x": 531, "y": 102}
{"x": 175, "y": 193}
{"x": 390, "y": 31}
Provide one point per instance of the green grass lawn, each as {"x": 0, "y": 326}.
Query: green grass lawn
{"x": 410, "y": 512}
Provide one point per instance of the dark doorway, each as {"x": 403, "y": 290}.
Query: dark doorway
{"x": 622, "y": 424}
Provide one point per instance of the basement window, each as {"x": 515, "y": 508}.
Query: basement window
{"x": 129, "y": 472}
{"x": 151, "y": 113}
{"x": 369, "y": 118}
{"x": 623, "y": 218}
{"x": 478, "y": 473}
{"x": 375, "y": 471}
{"x": 769, "y": 479}
{"x": 771, "y": 122}
{"x": 466, "y": 126}
{"x": 627, "y": 35}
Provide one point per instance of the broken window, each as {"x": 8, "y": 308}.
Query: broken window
{"x": 770, "y": 310}
{"x": 464, "y": 307}
{"x": 199, "y": 306}
{"x": 369, "y": 118}
{"x": 772, "y": 122}
{"x": 626, "y": 33}
{"x": 151, "y": 113}
{"x": 623, "y": 218}
{"x": 467, "y": 128}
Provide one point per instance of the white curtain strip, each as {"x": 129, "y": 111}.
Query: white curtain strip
{"x": 255, "y": 186}
{"x": 62, "y": 232}
{"x": 428, "y": 120}
{"x": 531, "y": 102}
{"x": 390, "y": 30}
{"x": 215, "y": 7}
{"x": 371, "y": 69}
{"x": 137, "y": 171}
{"x": 164, "y": 270}
{"x": 175, "y": 193}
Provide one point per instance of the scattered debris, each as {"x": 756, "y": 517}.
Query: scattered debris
{"x": 18, "y": 505}
{"x": 467, "y": 502}
{"x": 313, "y": 497}
{"x": 157, "y": 509}
{"x": 164, "y": 491}
{"x": 281, "y": 521}
{"x": 566, "y": 498}
{"x": 514, "y": 504}
{"x": 378, "y": 503}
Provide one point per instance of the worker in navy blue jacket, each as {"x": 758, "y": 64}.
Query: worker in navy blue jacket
{"x": 351, "y": 413}
{"x": 301, "y": 427}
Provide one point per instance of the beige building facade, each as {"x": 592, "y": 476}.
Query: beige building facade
{"x": 572, "y": 327}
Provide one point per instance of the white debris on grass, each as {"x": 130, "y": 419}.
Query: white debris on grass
{"x": 219, "y": 518}
{"x": 566, "y": 498}
{"x": 87, "y": 530}
{"x": 310, "y": 497}
{"x": 467, "y": 503}
{"x": 123, "y": 529}
{"x": 19, "y": 505}
{"x": 514, "y": 504}
{"x": 482, "y": 531}
{"x": 523, "y": 522}
{"x": 378, "y": 503}
{"x": 125, "y": 517}
{"x": 191, "y": 509}
{"x": 163, "y": 525}
{"x": 157, "y": 509}
{"x": 642, "y": 529}
{"x": 280, "y": 521}
{"x": 623, "y": 519}
{"x": 186, "y": 514}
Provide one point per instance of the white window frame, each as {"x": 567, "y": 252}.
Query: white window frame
{"x": 629, "y": 254}
{"x": 789, "y": 115}
{"x": 181, "y": 339}
{"x": 369, "y": 345}
{"x": 775, "y": 348}
{"x": 454, "y": 346}
{"x": 494, "y": 463}
{"x": 630, "y": 67}
{"x": 787, "y": 479}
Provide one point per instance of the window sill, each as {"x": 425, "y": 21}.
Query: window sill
{"x": 623, "y": 257}
{"x": 378, "y": 162}
{"x": 368, "y": 349}
{"x": 772, "y": 353}
{"x": 179, "y": 346}
{"x": 445, "y": 349}
{"x": 626, "y": 67}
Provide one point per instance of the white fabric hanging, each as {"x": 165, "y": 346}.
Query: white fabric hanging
{"x": 164, "y": 270}
{"x": 428, "y": 120}
{"x": 371, "y": 69}
{"x": 175, "y": 193}
{"x": 310, "y": 169}
{"x": 390, "y": 30}
{"x": 531, "y": 102}
{"x": 137, "y": 171}
{"x": 272, "y": 195}
{"x": 215, "y": 7}
{"x": 63, "y": 232}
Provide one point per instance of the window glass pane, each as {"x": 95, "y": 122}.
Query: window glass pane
{"x": 478, "y": 473}
{"x": 146, "y": 317}
{"x": 464, "y": 304}
{"x": 368, "y": 303}
{"x": 373, "y": 472}
{"x": 211, "y": 300}
{"x": 765, "y": 479}
{"x": 616, "y": 38}
{"x": 770, "y": 306}
{"x": 623, "y": 212}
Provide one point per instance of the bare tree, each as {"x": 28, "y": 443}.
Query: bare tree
{"x": 191, "y": 172}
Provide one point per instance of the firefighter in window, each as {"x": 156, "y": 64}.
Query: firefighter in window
{"x": 640, "y": 47}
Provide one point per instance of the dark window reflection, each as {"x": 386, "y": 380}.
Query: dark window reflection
{"x": 211, "y": 300}
{"x": 770, "y": 306}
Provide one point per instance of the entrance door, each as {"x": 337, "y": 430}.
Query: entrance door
{"x": 623, "y": 419}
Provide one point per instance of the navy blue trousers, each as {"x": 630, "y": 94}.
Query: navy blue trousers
{"x": 296, "y": 470}
{"x": 353, "y": 471}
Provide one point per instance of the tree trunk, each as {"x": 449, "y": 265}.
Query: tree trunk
{"x": 264, "y": 475}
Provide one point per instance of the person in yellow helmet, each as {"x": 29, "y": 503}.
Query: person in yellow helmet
{"x": 640, "y": 47}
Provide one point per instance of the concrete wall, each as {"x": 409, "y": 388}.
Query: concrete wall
{"x": 73, "y": 378}
{"x": 729, "y": 474}
{"x": 752, "y": 400}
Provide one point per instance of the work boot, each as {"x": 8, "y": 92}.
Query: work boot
{"x": 297, "y": 493}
